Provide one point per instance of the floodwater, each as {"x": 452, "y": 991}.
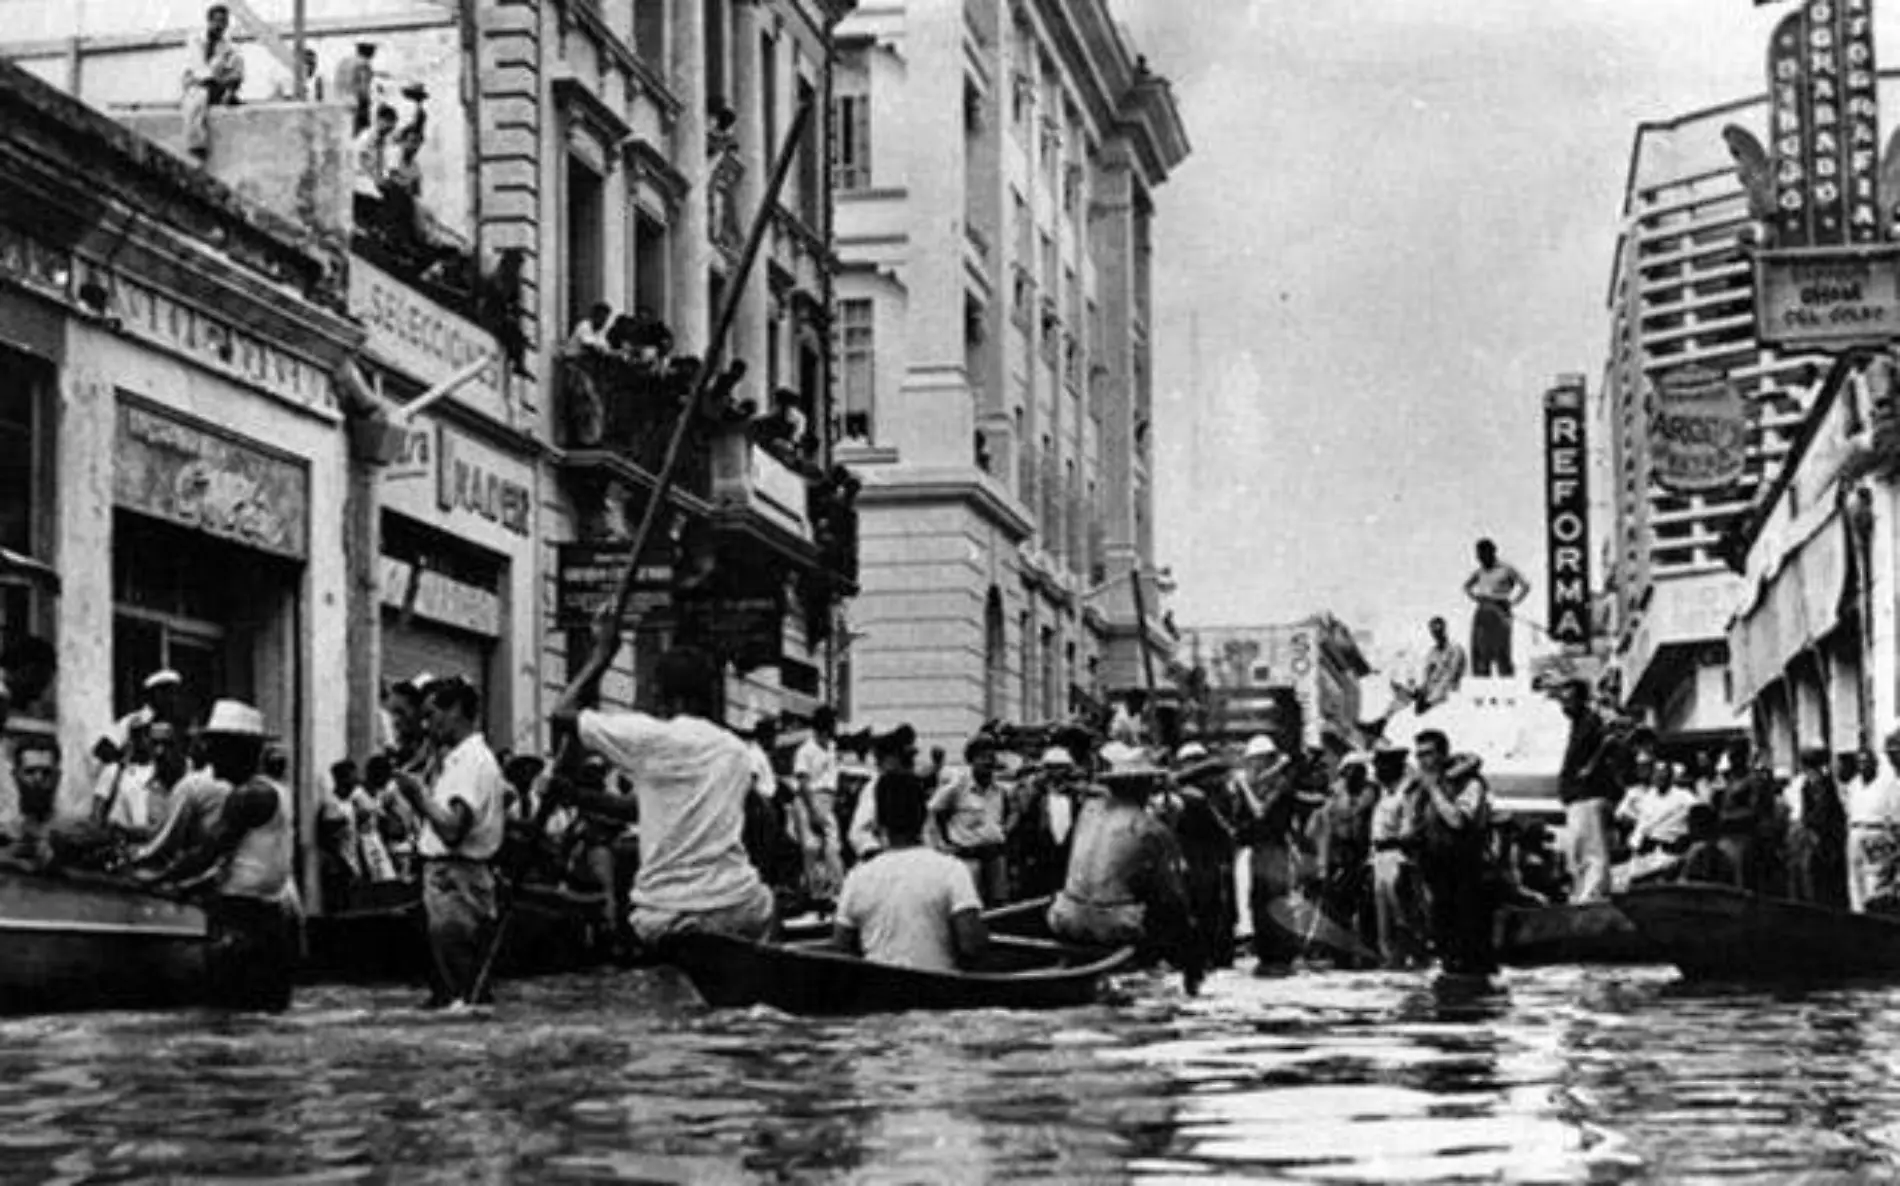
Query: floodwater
{"x": 1564, "y": 1076}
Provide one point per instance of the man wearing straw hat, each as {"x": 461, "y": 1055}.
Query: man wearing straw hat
{"x": 1125, "y": 885}
{"x": 235, "y": 829}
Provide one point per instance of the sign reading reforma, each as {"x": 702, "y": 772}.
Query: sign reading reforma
{"x": 1824, "y": 130}
{"x": 1828, "y": 298}
{"x": 410, "y": 333}
{"x": 172, "y": 469}
{"x": 1567, "y": 513}
{"x": 1698, "y": 432}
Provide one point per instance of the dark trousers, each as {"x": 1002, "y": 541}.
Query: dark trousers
{"x": 458, "y": 904}
{"x": 1491, "y": 641}
{"x": 1463, "y": 900}
{"x": 1210, "y": 887}
{"x": 254, "y": 952}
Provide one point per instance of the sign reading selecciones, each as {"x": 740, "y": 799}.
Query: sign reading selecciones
{"x": 171, "y": 469}
{"x": 1828, "y": 298}
{"x": 1698, "y": 433}
{"x": 1567, "y": 514}
{"x": 418, "y": 337}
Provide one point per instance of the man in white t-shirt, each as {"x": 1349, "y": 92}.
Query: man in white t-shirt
{"x": 815, "y": 770}
{"x": 893, "y": 751}
{"x": 463, "y": 818}
{"x": 913, "y": 906}
{"x": 691, "y": 778}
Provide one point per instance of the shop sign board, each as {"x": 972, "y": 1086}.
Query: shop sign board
{"x": 1824, "y": 126}
{"x": 587, "y": 577}
{"x": 1566, "y": 514}
{"x": 1698, "y": 432}
{"x": 736, "y": 626}
{"x": 1828, "y": 299}
{"x": 199, "y": 477}
{"x": 410, "y": 333}
{"x": 440, "y": 598}
{"x": 476, "y": 480}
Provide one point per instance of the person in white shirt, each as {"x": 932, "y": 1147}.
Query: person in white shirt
{"x": 462, "y": 821}
{"x": 913, "y": 907}
{"x": 690, "y": 777}
{"x": 1873, "y": 830}
{"x": 893, "y": 751}
{"x": 815, "y": 771}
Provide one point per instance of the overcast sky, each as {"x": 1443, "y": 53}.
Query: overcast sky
{"x": 1394, "y": 231}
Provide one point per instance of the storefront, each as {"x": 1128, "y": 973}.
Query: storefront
{"x": 456, "y": 515}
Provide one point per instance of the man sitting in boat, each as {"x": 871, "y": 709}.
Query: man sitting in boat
{"x": 1658, "y": 817}
{"x": 968, "y": 811}
{"x": 890, "y": 752}
{"x": 913, "y": 906}
{"x": 1125, "y": 883}
{"x": 1705, "y": 860}
{"x": 233, "y": 830}
{"x": 1873, "y": 836}
{"x": 36, "y": 776}
{"x": 690, "y": 780}
{"x": 133, "y": 795}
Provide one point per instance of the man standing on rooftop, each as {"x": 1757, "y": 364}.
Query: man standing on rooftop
{"x": 1497, "y": 588}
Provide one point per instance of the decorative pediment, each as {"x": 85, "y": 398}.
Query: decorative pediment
{"x": 588, "y": 113}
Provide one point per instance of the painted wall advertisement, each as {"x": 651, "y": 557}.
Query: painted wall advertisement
{"x": 1566, "y": 515}
{"x": 1698, "y": 432}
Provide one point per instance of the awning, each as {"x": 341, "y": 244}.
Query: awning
{"x": 1797, "y": 605}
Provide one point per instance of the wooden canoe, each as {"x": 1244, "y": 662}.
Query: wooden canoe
{"x": 1027, "y": 919}
{"x": 810, "y": 979}
{"x": 75, "y": 943}
{"x": 1717, "y": 932}
{"x": 1584, "y": 933}
{"x": 381, "y": 938}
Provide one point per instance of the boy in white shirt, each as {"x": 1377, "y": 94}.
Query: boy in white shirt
{"x": 913, "y": 907}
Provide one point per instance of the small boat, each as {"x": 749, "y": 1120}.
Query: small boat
{"x": 76, "y": 943}
{"x": 1027, "y": 919}
{"x": 811, "y": 979}
{"x": 379, "y": 936}
{"x": 1583, "y": 933}
{"x": 1718, "y": 932}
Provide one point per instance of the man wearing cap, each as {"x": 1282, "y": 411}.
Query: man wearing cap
{"x": 691, "y": 778}
{"x": 1456, "y": 859}
{"x": 1343, "y": 837}
{"x": 1125, "y": 883}
{"x": 463, "y": 820}
{"x": 236, "y": 829}
{"x": 893, "y": 751}
{"x": 1272, "y": 860}
{"x": 1396, "y": 822}
{"x": 968, "y": 811}
{"x": 214, "y": 70}
{"x": 815, "y": 778}
{"x": 1045, "y": 816}
{"x": 1208, "y": 831}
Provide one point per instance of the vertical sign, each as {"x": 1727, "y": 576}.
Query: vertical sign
{"x": 1824, "y": 125}
{"x": 1567, "y": 514}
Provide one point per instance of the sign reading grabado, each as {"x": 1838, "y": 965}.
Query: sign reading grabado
{"x": 1698, "y": 433}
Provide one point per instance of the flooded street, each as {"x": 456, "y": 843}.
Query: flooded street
{"x": 1603, "y": 1075}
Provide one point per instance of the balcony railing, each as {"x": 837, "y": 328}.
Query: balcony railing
{"x": 629, "y": 409}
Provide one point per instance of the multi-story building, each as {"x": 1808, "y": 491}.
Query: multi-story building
{"x": 1681, "y": 292}
{"x": 573, "y": 154}
{"x": 995, "y": 178}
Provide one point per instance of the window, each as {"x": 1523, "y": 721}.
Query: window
{"x": 650, "y": 265}
{"x": 25, "y": 392}
{"x": 852, "y": 127}
{"x": 1050, "y": 676}
{"x": 810, "y": 161}
{"x": 995, "y": 656}
{"x": 716, "y": 52}
{"x": 857, "y": 358}
{"x": 768, "y": 91}
{"x": 1026, "y": 632}
{"x": 585, "y": 254}
{"x": 649, "y": 32}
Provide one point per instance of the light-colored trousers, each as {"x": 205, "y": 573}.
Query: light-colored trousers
{"x": 1589, "y": 825}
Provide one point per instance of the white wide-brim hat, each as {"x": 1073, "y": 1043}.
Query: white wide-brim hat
{"x": 160, "y": 679}
{"x": 1057, "y": 758}
{"x": 1260, "y": 746}
{"x": 234, "y": 718}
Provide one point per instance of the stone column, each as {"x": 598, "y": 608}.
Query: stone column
{"x": 690, "y": 308}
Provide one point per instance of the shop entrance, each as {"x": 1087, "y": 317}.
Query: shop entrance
{"x": 214, "y": 612}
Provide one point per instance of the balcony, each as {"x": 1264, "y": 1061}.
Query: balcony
{"x": 617, "y": 416}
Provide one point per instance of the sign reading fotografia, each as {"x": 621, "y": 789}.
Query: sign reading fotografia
{"x": 1828, "y": 298}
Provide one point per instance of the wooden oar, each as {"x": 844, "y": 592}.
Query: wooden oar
{"x": 609, "y": 641}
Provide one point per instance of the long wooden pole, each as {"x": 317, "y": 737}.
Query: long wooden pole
{"x": 1147, "y": 653}
{"x": 663, "y": 482}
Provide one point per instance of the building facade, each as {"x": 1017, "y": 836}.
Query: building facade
{"x": 1315, "y": 664}
{"x": 573, "y": 154}
{"x": 995, "y": 173}
{"x": 1682, "y": 292}
{"x": 176, "y": 448}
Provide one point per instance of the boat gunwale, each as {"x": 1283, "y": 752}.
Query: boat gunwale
{"x": 1102, "y": 965}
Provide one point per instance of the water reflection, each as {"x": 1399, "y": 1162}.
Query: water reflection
{"x": 1564, "y": 1076}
